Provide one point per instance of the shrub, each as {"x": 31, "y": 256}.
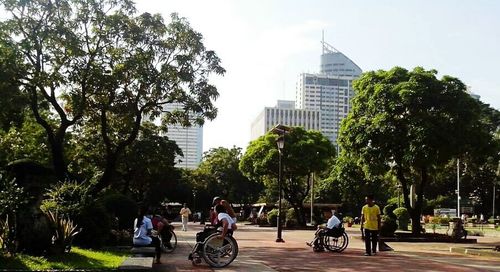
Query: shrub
{"x": 291, "y": 219}
{"x": 12, "y": 196}
{"x": 119, "y": 238}
{"x": 444, "y": 220}
{"x": 435, "y": 220}
{"x": 122, "y": 207}
{"x": 66, "y": 198}
{"x": 475, "y": 233}
{"x": 272, "y": 217}
{"x": 63, "y": 232}
{"x": 402, "y": 217}
{"x": 493, "y": 221}
{"x": 389, "y": 210}
{"x": 96, "y": 226}
{"x": 33, "y": 232}
{"x": 389, "y": 226}
{"x": 347, "y": 219}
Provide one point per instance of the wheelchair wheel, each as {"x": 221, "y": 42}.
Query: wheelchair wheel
{"x": 336, "y": 244}
{"x": 219, "y": 252}
{"x": 173, "y": 243}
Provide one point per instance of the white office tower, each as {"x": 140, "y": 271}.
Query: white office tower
{"x": 329, "y": 92}
{"x": 189, "y": 140}
{"x": 286, "y": 114}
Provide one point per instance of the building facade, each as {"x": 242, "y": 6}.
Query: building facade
{"x": 189, "y": 140}
{"x": 329, "y": 92}
{"x": 286, "y": 114}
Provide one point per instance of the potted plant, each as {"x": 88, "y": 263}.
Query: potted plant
{"x": 348, "y": 220}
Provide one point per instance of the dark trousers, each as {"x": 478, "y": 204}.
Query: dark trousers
{"x": 156, "y": 243}
{"x": 371, "y": 239}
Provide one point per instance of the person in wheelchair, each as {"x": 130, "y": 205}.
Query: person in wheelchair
{"x": 225, "y": 224}
{"x": 333, "y": 225}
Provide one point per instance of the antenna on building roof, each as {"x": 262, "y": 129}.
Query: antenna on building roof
{"x": 328, "y": 48}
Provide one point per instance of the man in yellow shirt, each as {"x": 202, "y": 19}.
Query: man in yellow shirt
{"x": 370, "y": 224}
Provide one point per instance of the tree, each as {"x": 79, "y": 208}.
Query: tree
{"x": 348, "y": 180}
{"x": 305, "y": 153}
{"x": 26, "y": 142}
{"x": 146, "y": 64}
{"x": 13, "y": 102}
{"x": 410, "y": 122}
{"x": 147, "y": 167}
{"x": 59, "y": 42}
{"x": 98, "y": 61}
{"x": 219, "y": 174}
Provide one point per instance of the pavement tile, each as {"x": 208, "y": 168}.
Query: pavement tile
{"x": 258, "y": 251}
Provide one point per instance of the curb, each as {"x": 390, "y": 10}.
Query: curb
{"x": 485, "y": 252}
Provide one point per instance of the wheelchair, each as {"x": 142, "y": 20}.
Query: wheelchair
{"x": 334, "y": 240}
{"x": 215, "y": 251}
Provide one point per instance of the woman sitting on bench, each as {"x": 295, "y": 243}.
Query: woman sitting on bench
{"x": 142, "y": 233}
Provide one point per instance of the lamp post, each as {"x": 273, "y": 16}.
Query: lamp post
{"x": 458, "y": 188}
{"x": 281, "y": 144}
{"x": 281, "y": 130}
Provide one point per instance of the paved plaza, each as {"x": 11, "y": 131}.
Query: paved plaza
{"x": 259, "y": 252}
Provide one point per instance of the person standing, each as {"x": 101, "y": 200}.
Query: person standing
{"x": 370, "y": 225}
{"x": 185, "y": 212}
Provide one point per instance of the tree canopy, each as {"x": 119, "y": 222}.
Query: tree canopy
{"x": 410, "y": 122}
{"x": 304, "y": 153}
{"x": 98, "y": 62}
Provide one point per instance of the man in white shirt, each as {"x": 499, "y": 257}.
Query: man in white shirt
{"x": 228, "y": 224}
{"x": 332, "y": 223}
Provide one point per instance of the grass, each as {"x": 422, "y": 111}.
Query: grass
{"x": 77, "y": 259}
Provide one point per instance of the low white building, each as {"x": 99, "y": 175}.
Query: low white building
{"x": 286, "y": 114}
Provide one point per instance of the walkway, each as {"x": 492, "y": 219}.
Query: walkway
{"x": 259, "y": 252}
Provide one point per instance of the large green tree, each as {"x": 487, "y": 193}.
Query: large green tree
{"x": 348, "y": 184}
{"x": 59, "y": 42}
{"x": 410, "y": 122}
{"x": 99, "y": 62}
{"x": 304, "y": 153}
{"x": 147, "y": 64}
{"x": 13, "y": 102}
{"x": 219, "y": 175}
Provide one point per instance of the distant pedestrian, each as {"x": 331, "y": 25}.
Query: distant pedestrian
{"x": 185, "y": 212}
{"x": 370, "y": 225}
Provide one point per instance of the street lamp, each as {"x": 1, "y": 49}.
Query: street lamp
{"x": 281, "y": 144}
{"x": 458, "y": 188}
{"x": 281, "y": 130}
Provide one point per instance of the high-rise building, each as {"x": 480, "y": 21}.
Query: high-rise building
{"x": 189, "y": 140}
{"x": 330, "y": 91}
{"x": 286, "y": 114}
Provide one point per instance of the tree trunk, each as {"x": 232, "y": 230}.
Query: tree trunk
{"x": 109, "y": 172}
{"x": 58, "y": 162}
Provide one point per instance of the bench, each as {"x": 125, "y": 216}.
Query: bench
{"x": 143, "y": 251}
{"x": 137, "y": 263}
{"x": 142, "y": 259}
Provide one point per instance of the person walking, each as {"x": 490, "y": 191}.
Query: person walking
{"x": 370, "y": 225}
{"x": 185, "y": 212}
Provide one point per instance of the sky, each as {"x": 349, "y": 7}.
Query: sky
{"x": 265, "y": 44}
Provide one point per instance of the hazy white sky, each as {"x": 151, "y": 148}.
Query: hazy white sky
{"x": 266, "y": 44}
